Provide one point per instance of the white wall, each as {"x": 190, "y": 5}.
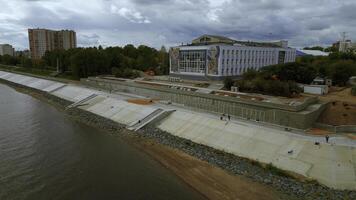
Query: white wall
{"x": 249, "y": 58}
{"x": 320, "y": 90}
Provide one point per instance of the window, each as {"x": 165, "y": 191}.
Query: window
{"x": 192, "y": 61}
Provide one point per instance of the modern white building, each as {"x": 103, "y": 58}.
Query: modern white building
{"x": 303, "y": 52}
{"x": 6, "y": 49}
{"x": 217, "y": 57}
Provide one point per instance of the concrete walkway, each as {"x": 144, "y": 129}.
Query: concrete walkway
{"x": 332, "y": 164}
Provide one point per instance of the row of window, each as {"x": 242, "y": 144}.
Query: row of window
{"x": 254, "y": 54}
{"x": 244, "y": 61}
{"x": 246, "y": 53}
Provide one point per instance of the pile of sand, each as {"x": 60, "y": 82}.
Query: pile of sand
{"x": 141, "y": 101}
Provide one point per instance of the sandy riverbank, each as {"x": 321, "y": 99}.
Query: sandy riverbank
{"x": 212, "y": 182}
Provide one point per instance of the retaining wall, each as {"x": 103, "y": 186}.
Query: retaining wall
{"x": 300, "y": 116}
{"x": 337, "y": 129}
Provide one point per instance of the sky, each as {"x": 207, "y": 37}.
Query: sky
{"x": 172, "y": 22}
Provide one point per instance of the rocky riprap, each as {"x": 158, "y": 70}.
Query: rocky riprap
{"x": 241, "y": 166}
{"x": 236, "y": 165}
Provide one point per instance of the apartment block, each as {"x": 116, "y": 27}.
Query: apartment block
{"x": 42, "y": 40}
{"x": 6, "y": 49}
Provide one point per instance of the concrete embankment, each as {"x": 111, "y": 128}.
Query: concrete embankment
{"x": 207, "y": 137}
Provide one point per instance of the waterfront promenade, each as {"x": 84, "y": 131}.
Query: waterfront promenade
{"x": 332, "y": 164}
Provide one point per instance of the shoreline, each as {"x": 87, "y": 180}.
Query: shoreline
{"x": 234, "y": 165}
{"x": 211, "y": 186}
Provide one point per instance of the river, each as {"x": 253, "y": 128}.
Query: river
{"x": 44, "y": 154}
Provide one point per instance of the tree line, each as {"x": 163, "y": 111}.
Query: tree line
{"x": 83, "y": 62}
{"x": 282, "y": 79}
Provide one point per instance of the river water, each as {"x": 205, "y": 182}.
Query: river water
{"x": 46, "y": 155}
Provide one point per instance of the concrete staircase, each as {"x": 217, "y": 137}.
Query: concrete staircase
{"x": 80, "y": 102}
{"x": 153, "y": 117}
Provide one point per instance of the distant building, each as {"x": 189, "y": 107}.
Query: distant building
{"x": 6, "y": 49}
{"x": 316, "y": 89}
{"x": 217, "y": 57}
{"x": 24, "y": 53}
{"x": 344, "y": 46}
{"x": 303, "y": 52}
{"x": 322, "y": 81}
{"x": 42, "y": 40}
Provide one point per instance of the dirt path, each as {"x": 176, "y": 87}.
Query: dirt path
{"x": 212, "y": 182}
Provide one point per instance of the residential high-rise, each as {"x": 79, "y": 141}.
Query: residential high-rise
{"x": 6, "y": 49}
{"x": 42, "y": 40}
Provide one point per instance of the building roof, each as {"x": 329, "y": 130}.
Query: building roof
{"x": 215, "y": 39}
{"x": 212, "y": 39}
{"x": 303, "y": 52}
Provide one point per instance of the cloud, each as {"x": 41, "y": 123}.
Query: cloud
{"x": 84, "y": 40}
{"x": 172, "y": 22}
{"x": 130, "y": 14}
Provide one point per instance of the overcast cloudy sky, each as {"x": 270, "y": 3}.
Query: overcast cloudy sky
{"x": 171, "y": 22}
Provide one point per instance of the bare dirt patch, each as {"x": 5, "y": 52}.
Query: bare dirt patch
{"x": 339, "y": 113}
{"x": 316, "y": 131}
{"x": 340, "y": 94}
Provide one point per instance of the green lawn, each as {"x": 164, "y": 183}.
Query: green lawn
{"x": 38, "y": 72}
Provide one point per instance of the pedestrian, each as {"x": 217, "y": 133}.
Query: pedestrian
{"x": 327, "y": 138}
{"x": 221, "y": 118}
{"x": 229, "y": 117}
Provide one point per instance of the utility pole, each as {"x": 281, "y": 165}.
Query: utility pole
{"x": 343, "y": 45}
{"x": 344, "y": 36}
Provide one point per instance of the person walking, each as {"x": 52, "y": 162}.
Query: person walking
{"x": 327, "y": 138}
{"x": 229, "y": 117}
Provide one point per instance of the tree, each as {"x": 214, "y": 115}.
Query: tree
{"x": 163, "y": 61}
{"x": 331, "y": 49}
{"x": 342, "y": 71}
{"x": 228, "y": 83}
{"x": 250, "y": 74}
{"x": 314, "y": 48}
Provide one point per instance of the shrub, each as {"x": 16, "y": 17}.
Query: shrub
{"x": 228, "y": 83}
{"x": 124, "y": 72}
{"x": 270, "y": 87}
{"x": 353, "y": 91}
